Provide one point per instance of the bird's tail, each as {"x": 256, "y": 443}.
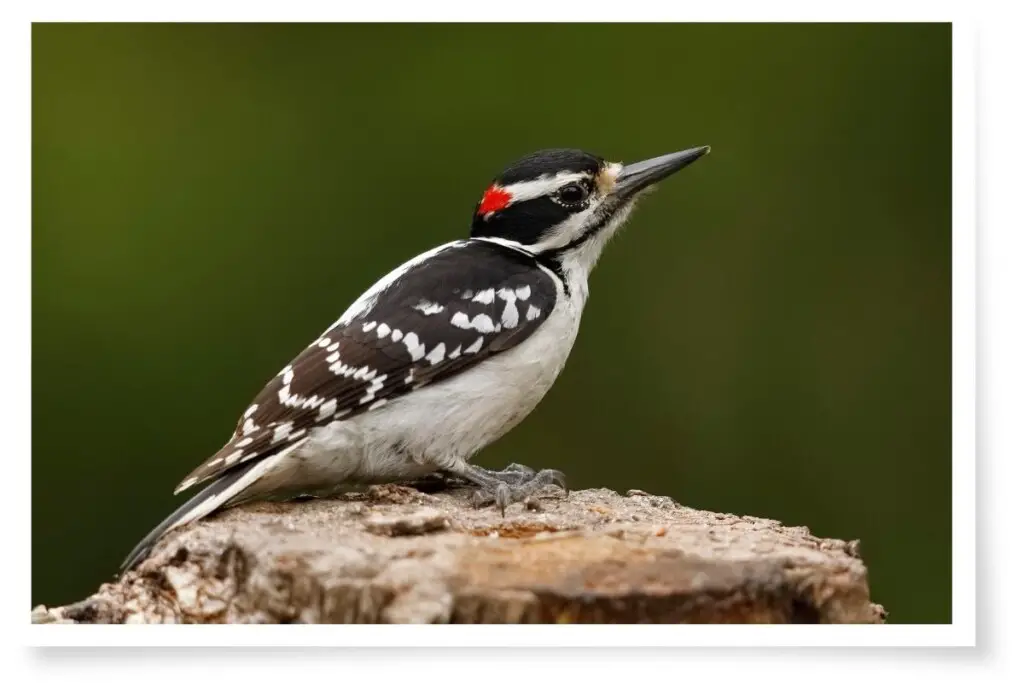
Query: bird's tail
{"x": 237, "y": 485}
{"x": 214, "y": 496}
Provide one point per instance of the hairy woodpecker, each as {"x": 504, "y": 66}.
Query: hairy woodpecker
{"x": 441, "y": 356}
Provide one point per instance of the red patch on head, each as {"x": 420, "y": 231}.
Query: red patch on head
{"x": 495, "y": 199}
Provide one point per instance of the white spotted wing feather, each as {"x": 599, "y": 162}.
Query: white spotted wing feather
{"x": 424, "y": 323}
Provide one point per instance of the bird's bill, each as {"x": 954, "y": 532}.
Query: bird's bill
{"x": 635, "y": 177}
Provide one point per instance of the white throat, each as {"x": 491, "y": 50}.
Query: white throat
{"x": 580, "y": 260}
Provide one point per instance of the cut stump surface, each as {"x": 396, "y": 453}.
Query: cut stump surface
{"x": 394, "y": 554}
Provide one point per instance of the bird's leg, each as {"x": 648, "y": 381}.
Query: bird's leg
{"x": 513, "y": 484}
{"x": 512, "y": 475}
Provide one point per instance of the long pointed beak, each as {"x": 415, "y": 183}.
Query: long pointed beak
{"x": 635, "y": 177}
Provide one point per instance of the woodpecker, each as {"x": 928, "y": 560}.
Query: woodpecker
{"x": 442, "y": 356}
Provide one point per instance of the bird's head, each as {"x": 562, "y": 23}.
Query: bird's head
{"x": 566, "y": 203}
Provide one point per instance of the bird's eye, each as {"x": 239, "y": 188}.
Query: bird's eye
{"x": 573, "y": 193}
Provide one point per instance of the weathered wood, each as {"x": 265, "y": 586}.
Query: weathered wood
{"x": 395, "y": 554}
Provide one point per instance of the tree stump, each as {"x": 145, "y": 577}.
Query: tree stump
{"x": 394, "y": 554}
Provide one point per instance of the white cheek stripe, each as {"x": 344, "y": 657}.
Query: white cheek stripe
{"x": 538, "y": 187}
{"x": 566, "y": 231}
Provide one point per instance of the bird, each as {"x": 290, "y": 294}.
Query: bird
{"x": 441, "y": 356}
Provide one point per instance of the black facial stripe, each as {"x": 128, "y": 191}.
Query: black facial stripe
{"x": 526, "y": 222}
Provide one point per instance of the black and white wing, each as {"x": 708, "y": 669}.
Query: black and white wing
{"x": 428, "y": 320}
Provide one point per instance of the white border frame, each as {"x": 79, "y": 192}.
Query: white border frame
{"x": 960, "y": 632}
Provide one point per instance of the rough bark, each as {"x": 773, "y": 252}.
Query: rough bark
{"x": 395, "y": 554}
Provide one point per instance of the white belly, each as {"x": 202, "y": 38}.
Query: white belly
{"x": 432, "y": 427}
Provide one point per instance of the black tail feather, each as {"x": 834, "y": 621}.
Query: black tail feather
{"x": 142, "y": 549}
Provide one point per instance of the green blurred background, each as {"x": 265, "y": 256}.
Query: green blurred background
{"x": 770, "y": 336}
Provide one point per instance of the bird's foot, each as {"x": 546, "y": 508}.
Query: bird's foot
{"x": 514, "y": 484}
